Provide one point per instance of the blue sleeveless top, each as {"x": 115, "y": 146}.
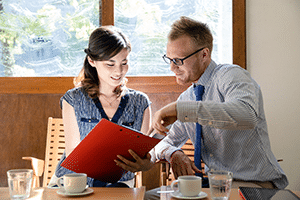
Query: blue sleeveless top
{"x": 89, "y": 112}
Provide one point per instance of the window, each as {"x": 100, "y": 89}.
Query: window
{"x": 45, "y": 38}
{"x": 61, "y": 84}
{"x": 147, "y": 23}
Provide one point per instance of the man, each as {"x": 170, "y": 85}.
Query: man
{"x": 234, "y": 128}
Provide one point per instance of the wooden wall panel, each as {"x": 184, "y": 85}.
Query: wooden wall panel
{"x": 23, "y": 124}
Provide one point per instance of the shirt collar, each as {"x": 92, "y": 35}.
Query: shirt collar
{"x": 206, "y": 76}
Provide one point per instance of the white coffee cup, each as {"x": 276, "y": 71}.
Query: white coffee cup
{"x": 73, "y": 183}
{"x": 189, "y": 186}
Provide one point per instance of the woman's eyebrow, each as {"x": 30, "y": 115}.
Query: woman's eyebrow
{"x": 110, "y": 60}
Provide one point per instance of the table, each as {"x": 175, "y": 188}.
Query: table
{"x": 108, "y": 193}
{"x": 234, "y": 195}
{"x": 99, "y": 193}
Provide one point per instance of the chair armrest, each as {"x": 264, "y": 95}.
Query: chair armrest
{"x": 138, "y": 179}
{"x": 37, "y": 165}
{"x": 164, "y": 172}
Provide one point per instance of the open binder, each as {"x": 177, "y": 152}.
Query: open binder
{"x": 96, "y": 153}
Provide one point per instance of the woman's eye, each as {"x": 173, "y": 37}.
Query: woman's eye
{"x": 124, "y": 63}
{"x": 110, "y": 65}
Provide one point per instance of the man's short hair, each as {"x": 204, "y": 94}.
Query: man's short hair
{"x": 198, "y": 31}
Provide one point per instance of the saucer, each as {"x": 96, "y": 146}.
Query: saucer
{"x": 180, "y": 196}
{"x": 85, "y": 192}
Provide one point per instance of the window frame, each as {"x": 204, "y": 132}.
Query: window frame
{"x": 147, "y": 84}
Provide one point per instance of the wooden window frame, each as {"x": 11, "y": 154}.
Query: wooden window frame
{"x": 148, "y": 84}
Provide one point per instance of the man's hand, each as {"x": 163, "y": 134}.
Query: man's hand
{"x": 182, "y": 165}
{"x": 164, "y": 117}
{"x": 139, "y": 164}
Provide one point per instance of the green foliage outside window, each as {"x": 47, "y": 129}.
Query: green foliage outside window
{"x": 47, "y": 37}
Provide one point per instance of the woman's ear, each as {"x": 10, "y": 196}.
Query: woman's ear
{"x": 92, "y": 63}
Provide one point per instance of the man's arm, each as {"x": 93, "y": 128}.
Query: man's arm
{"x": 239, "y": 110}
{"x": 163, "y": 118}
{"x": 232, "y": 104}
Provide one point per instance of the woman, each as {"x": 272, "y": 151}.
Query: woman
{"x": 101, "y": 93}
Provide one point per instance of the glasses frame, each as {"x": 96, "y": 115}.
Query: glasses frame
{"x": 176, "y": 60}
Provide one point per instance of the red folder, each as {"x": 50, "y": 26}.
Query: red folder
{"x": 96, "y": 153}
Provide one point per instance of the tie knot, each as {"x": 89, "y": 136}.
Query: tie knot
{"x": 199, "y": 90}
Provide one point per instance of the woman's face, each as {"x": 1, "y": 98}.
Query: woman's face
{"x": 111, "y": 72}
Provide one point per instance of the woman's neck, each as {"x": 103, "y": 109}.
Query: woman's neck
{"x": 108, "y": 92}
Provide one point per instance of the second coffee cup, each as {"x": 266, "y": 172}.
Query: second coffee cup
{"x": 189, "y": 186}
{"x": 73, "y": 183}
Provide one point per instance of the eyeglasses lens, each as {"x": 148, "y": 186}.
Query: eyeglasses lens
{"x": 176, "y": 61}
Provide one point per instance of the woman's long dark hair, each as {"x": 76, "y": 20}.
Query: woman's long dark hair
{"x": 105, "y": 42}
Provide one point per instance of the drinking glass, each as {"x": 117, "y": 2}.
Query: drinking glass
{"x": 220, "y": 184}
{"x": 19, "y": 183}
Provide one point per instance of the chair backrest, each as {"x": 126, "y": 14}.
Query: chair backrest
{"x": 55, "y": 147}
{"x": 188, "y": 148}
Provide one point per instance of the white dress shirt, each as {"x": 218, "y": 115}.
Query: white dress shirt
{"x": 234, "y": 128}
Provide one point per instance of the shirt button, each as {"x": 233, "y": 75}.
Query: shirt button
{"x": 210, "y": 123}
{"x": 186, "y": 118}
{"x": 211, "y": 155}
{"x": 89, "y": 120}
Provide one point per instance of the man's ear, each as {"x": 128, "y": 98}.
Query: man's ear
{"x": 206, "y": 52}
{"x": 92, "y": 63}
{"x": 206, "y": 55}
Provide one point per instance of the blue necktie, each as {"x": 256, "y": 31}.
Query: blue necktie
{"x": 199, "y": 90}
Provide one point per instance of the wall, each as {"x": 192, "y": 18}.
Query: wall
{"x": 23, "y": 125}
{"x": 24, "y": 115}
{"x": 273, "y": 48}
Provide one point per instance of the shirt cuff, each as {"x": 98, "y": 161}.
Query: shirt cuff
{"x": 152, "y": 153}
{"x": 187, "y": 111}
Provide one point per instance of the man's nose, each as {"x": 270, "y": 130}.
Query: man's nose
{"x": 173, "y": 66}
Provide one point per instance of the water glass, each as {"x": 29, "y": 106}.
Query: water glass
{"x": 19, "y": 183}
{"x": 220, "y": 184}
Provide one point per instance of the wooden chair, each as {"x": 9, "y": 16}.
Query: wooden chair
{"x": 166, "y": 175}
{"x": 55, "y": 146}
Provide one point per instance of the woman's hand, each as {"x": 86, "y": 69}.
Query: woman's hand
{"x": 139, "y": 164}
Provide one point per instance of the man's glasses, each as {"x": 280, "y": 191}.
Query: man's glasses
{"x": 178, "y": 61}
